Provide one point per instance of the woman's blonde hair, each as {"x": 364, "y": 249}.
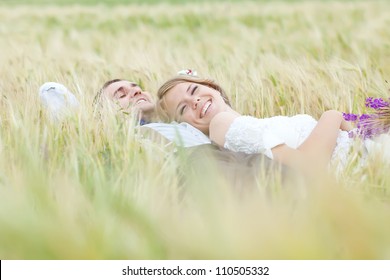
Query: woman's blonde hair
{"x": 168, "y": 85}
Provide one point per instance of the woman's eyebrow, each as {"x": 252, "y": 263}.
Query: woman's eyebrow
{"x": 189, "y": 87}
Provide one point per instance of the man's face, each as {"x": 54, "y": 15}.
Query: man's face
{"x": 130, "y": 96}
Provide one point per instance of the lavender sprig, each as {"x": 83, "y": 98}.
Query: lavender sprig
{"x": 350, "y": 117}
{"x": 370, "y": 125}
{"x": 376, "y": 103}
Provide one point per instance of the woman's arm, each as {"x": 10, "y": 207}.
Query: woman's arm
{"x": 317, "y": 149}
{"x": 282, "y": 153}
{"x": 322, "y": 140}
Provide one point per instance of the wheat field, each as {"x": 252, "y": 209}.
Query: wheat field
{"x": 84, "y": 189}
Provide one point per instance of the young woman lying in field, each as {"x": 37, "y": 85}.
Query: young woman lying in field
{"x": 298, "y": 141}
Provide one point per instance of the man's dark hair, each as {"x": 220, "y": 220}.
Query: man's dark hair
{"x": 97, "y": 100}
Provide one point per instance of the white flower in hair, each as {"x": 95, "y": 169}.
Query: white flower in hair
{"x": 188, "y": 72}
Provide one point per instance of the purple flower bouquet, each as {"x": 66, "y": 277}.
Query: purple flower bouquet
{"x": 373, "y": 124}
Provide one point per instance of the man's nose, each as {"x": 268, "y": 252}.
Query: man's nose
{"x": 133, "y": 92}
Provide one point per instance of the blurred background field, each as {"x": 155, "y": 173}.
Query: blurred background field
{"x": 88, "y": 190}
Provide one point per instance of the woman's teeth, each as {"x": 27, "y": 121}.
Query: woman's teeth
{"x": 205, "y": 108}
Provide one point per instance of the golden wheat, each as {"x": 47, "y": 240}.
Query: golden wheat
{"x": 96, "y": 190}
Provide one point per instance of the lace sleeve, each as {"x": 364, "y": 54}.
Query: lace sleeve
{"x": 251, "y": 135}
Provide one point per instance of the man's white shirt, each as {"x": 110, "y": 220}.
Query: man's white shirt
{"x": 182, "y": 134}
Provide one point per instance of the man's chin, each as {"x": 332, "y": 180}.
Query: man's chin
{"x": 145, "y": 108}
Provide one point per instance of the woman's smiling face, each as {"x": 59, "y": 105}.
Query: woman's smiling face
{"x": 195, "y": 104}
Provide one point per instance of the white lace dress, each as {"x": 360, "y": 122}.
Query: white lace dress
{"x": 252, "y": 135}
